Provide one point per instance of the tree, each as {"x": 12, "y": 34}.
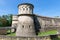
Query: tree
{"x": 9, "y": 19}
{"x": 6, "y": 20}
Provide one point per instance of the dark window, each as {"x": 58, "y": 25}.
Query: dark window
{"x": 26, "y": 8}
{"x": 23, "y": 8}
{"x": 23, "y": 26}
{"x": 29, "y": 26}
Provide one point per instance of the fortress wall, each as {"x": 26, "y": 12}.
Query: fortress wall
{"x": 47, "y": 23}
{"x": 51, "y": 21}
{"x": 25, "y": 38}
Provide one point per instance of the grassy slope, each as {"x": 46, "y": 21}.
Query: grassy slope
{"x": 51, "y": 32}
{"x": 12, "y": 34}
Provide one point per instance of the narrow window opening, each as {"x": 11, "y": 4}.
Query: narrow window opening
{"x": 23, "y": 26}
{"x": 26, "y": 8}
{"x": 29, "y": 26}
{"x": 23, "y": 8}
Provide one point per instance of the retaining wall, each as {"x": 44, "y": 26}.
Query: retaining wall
{"x": 24, "y": 38}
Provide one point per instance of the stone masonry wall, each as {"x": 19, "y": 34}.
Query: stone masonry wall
{"x": 47, "y": 23}
{"x": 24, "y": 38}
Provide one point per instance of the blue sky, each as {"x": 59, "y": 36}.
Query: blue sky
{"x": 49, "y": 8}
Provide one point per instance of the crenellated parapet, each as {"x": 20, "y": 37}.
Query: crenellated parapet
{"x": 25, "y": 8}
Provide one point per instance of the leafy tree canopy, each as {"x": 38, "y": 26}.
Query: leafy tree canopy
{"x": 5, "y": 20}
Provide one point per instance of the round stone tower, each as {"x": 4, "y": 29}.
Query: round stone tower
{"x": 25, "y": 20}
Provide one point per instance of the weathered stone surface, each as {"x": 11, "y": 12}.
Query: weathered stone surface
{"x": 24, "y": 38}
{"x": 25, "y": 26}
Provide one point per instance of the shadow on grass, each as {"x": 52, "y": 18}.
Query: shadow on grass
{"x": 54, "y": 37}
{"x": 8, "y": 33}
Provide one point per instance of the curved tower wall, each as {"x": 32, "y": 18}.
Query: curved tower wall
{"x": 25, "y": 26}
{"x": 25, "y": 9}
{"x": 25, "y": 21}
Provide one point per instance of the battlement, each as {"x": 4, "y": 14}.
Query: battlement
{"x": 25, "y": 8}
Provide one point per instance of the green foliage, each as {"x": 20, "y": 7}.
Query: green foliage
{"x": 51, "y": 32}
{"x": 5, "y": 20}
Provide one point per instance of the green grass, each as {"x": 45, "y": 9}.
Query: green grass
{"x": 10, "y": 34}
{"x": 51, "y": 32}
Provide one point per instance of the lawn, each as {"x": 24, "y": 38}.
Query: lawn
{"x": 51, "y": 32}
{"x": 9, "y": 33}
